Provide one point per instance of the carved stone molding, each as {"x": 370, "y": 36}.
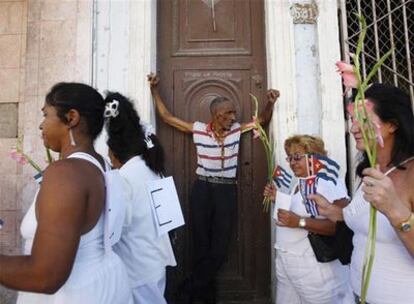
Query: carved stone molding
{"x": 304, "y": 13}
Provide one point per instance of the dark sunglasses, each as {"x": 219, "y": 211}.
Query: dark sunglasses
{"x": 295, "y": 157}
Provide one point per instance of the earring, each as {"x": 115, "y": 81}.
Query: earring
{"x": 72, "y": 139}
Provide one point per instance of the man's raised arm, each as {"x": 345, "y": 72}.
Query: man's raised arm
{"x": 162, "y": 110}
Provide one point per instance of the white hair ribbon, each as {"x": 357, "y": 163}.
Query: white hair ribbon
{"x": 111, "y": 109}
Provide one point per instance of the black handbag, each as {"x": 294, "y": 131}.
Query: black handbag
{"x": 323, "y": 246}
{"x": 343, "y": 242}
{"x": 338, "y": 246}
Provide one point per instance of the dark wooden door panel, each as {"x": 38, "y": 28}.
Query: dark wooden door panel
{"x": 197, "y": 63}
{"x": 203, "y": 29}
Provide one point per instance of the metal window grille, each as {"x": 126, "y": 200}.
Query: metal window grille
{"x": 390, "y": 25}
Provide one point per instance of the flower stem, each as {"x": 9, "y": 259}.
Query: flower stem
{"x": 268, "y": 148}
{"x": 369, "y": 254}
{"x": 49, "y": 156}
{"x": 32, "y": 163}
{"x": 27, "y": 157}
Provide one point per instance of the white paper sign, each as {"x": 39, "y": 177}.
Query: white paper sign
{"x": 165, "y": 205}
{"x": 283, "y": 201}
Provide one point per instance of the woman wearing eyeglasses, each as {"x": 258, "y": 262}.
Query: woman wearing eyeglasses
{"x": 301, "y": 278}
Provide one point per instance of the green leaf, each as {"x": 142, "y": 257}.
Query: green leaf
{"x": 376, "y": 67}
{"x": 255, "y": 104}
{"x": 363, "y": 27}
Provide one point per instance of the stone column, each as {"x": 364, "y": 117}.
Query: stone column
{"x": 302, "y": 41}
{"x": 280, "y": 49}
{"x": 304, "y": 16}
{"x": 330, "y": 87}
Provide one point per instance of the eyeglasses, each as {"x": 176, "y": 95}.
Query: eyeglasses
{"x": 295, "y": 157}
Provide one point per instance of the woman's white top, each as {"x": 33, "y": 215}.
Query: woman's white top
{"x": 98, "y": 275}
{"x": 392, "y": 276}
{"x": 295, "y": 240}
{"x": 144, "y": 253}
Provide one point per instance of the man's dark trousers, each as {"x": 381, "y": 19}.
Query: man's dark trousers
{"x": 213, "y": 210}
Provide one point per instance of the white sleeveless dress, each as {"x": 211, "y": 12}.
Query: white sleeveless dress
{"x": 392, "y": 276}
{"x": 98, "y": 275}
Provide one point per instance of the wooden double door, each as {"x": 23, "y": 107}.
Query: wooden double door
{"x": 208, "y": 48}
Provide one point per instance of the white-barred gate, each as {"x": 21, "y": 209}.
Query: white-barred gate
{"x": 389, "y": 25}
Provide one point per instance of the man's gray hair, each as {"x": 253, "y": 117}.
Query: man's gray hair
{"x": 216, "y": 102}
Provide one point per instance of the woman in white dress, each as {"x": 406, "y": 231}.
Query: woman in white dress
{"x": 301, "y": 278}
{"x": 137, "y": 152}
{"x": 68, "y": 260}
{"x": 389, "y": 188}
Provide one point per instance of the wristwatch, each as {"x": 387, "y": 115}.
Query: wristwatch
{"x": 302, "y": 222}
{"x": 406, "y": 225}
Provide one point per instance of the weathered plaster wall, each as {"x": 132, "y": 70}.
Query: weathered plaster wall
{"x": 13, "y": 33}
{"x": 42, "y": 42}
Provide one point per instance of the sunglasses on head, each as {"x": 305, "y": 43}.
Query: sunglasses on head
{"x": 295, "y": 157}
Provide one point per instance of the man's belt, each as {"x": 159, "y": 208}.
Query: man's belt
{"x": 218, "y": 180}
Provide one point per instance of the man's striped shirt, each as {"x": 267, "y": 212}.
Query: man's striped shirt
{"x": 215, "y": 158}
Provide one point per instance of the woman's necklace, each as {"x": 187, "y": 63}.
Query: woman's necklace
{"x": 399, "y": 165}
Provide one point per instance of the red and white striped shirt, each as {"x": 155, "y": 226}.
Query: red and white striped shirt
{"x": 215, "y": 158}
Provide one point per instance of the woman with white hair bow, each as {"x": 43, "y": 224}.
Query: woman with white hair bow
{"x": 136, "y": 151}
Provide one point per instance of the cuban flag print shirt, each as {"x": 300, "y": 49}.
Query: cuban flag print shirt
{"x": 216, "y": 159}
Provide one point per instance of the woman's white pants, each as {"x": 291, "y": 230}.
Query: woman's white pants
{"x": 303, "y": 280}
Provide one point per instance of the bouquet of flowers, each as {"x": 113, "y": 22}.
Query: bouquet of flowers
{"x": 361, "y": 111}
{"x": 23, "y": 158}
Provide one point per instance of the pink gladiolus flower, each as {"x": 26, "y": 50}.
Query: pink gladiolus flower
{"x": 344, "y": 67}
{"x": 18, "y": 157}
{"x": 256, "y": 133}
{"x": 15, "y": 155}
{"x": 378, "y": 135}
{"x": 22, "y": 160}
{"x": 350, "y": 80}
